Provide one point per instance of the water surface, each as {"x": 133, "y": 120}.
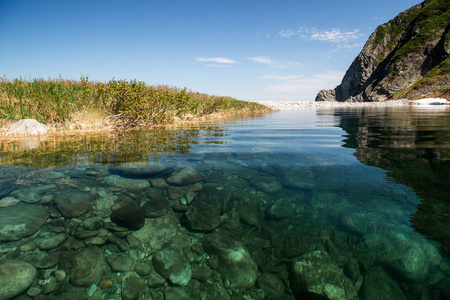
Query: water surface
{"x": 339, "y": 203}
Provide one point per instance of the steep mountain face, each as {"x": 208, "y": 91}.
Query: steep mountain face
{"x": 407, "y": 57}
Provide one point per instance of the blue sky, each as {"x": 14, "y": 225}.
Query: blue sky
{"x": 250, "y": 50}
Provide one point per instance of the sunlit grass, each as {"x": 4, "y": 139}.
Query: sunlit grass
{"x": 69, "y": 104}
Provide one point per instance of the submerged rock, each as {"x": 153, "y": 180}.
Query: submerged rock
{"x": 405, "y": 254}
{"x": 185, "y": 176}
{"x": 272, "y": 285}
{"x": 15, "y": 278}
{"x": 72, "y": 205}
{"x": 173, "y": 265}
{"x": 129, "y": 216}
{"x": 28, "y": 127}
{"x": 85, "y": 267}
{"x": 235, "y": 262}
{"x": 285, "y": 208}
{"x": 298, "y": 177}
{"x": 127, "y": 183}
{"x": 314, "y": 274}
{"x": 378, "y": 284}
{"x": 158, "y": 231}
{"x": 156, "y": 207}
{"x": 21, "y": 220}
{"x": 206, "y": 208}
{"x": 267, "y": 184}
{"x": 133, "y": 286}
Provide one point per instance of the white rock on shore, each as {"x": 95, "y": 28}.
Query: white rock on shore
{"x": 27, "y": 127}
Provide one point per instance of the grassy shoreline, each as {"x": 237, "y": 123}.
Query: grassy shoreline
{"x": 73, "y": 106}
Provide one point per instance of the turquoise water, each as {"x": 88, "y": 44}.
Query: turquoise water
{"x": 326, "y": 203}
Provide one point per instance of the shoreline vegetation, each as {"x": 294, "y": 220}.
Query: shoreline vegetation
{"x": 69, "y": 106}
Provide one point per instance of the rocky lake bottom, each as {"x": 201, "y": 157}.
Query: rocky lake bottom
{"x": 287, "y": 206}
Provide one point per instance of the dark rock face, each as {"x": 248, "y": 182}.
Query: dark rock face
{"x": 206, "y": 208}
{"x": 129, "y": 216}
{"x": 397, "y": 55}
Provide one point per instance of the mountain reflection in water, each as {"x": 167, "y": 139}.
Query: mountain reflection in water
{"x": 326, "y": 203}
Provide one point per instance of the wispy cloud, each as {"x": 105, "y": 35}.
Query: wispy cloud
{"x": 335, "y": 35}
{"x": 302, "y": 84}
{"x": 218, "y": 60}
{"x": 280, "y": 64}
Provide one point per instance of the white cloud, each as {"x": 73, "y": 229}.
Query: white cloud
{"x": 302, "y": 84}
{"x": 286, "y": 33}
{"x": 280, "y": 64}
{"x": 219, "y": 60}
{"x": 335, "y": 35}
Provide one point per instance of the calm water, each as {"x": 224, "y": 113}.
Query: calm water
{"x": 327, "y": 203}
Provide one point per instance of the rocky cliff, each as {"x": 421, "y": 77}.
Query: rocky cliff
{"x": 407, "y": 57}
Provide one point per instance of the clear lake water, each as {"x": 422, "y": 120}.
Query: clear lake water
{"x": 311, "y": 203}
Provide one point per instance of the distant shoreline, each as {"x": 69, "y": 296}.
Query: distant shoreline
{"x": 280, "y": 105}
{"x": 304, "y": 104}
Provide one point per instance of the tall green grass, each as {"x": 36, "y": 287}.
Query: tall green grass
{"x": 130, "y": 103}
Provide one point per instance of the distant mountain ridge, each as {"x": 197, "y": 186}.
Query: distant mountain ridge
{"x": 407, "y": 57}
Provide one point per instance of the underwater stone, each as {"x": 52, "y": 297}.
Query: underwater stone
{"x": 133, "y": 286}
{"x": 185, "y": 176}
{"x": 329, "y": 282}
{"x": 129, "y": 216}
{"x": 378, "y": 284}
{"x": 172, "y": 264}
{"x": 144, "y": 268}
{"x": 285, "y": 208}
{"x": 272, "y": 285}
{"x": 298, "y": 177}
{"x": 48, "y": 261}
{"x": 267, "y": 184}
{"x": 249, "y": 213}
{"x": 73, "y": 205}
{"x": 235, "y": 262}
{"x": 159, "y": 183}
{"x": 21, "y": 220}
{"x": 155, "y": 280}
{"x": 15, "y": 278}
{"x": 8, "y": 201}
{"x": 48, "y": 243}
{"x": 179, "y": 293}
{"x": 120, "y": 262}
{"x": 406, "y": 254}
{"x": 27, "y": 195}
{"x": 156, "y": 207}
{"x": 28, "y": 127}
{"x": 85, "y": 267}
{"x": 94, "y": 223}
{"x": 127, "y": 183}
{"x": 158, "y": 231}
{"x": 206, "y": 208}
